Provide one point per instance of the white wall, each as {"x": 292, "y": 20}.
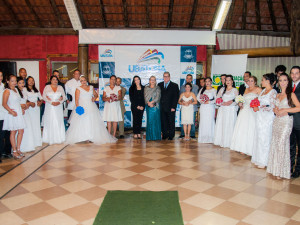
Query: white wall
{"x": 32, "y": 68}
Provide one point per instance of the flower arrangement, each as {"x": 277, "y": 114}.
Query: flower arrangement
{"x": 204, "y": 98}
{"x": 219, "y": 101}
{"x": 113, "y": 98}
{"x": 79, "y": 110}
{"x": 254, "y": 103}
{"x": 239, "y": 99}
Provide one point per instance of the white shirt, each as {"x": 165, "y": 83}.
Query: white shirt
{"x": 2, "y": 110}
{"x": 70, "y": 87}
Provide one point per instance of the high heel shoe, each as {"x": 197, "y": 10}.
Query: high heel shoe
{"x": 20, "y": 153}
{"x": 16, "y": 156}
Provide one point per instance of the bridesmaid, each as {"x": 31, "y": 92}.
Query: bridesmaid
{"x": 264, "y": 122}
{"x": 207, "y": 112}
{"x": 136, "y": 95}
{"x": 187, "y": 99}
{"x": 27, "y": 144}
{"x": 13, "y": 120}
{"x": 54, "y": 127}
{"x": 279, "y": 164}
{"x": 152, "y": 98}
{"x": 35, "y": 98}
{"x": 227, "y": 114}
{"x": 244, "y": 130}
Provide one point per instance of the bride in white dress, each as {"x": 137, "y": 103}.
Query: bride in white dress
{"x": 88, "y": 126}
{"x": 54, "y": 127}
{"x": 207, "y": 112}
{"x": 244, "y": 130}
{"x": 227, "y": 114}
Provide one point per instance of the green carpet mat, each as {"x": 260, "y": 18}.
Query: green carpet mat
{"x": 140, "y": 208}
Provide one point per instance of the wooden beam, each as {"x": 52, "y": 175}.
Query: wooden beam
{"x": 80, "y": 14}
{"x": 255, "y": 32}
{"x": 11, "y": 12}
{"x": 230, "y": 14}
{"x": 257, "y": 10}
{"x": 148, "y": 13}
{"x": 244, "y": 18}
{"x": 193, "y": 14}
{"x": 37, "y": 31}
{"x": 103, "y": 13}
{"x": 259, "y": 52}
{"x": 34, "y": 13}
{"x": 57, "y": 13}
{"x": 171, "y": 4}
{"x": 295, "y": 27}
{"x": 270, "y": 6}
{"x": 286, "y": 13}
{"x": 125, "y": 13}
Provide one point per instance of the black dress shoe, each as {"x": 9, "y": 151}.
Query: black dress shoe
{"x": 121, "y": 136}
{"x": 295, "y": 175}
{"x": 181, "y": 136}
{"x": 193, "y": 137}
{"x": 164, "y": 138}
{"x": 170, "y": 139}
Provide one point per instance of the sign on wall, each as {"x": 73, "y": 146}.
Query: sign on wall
{"x": 144, "y": 61}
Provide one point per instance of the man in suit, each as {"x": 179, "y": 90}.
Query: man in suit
{"x": 278, "y": 70}
{"x": 168, "y": 104}
{"x": 195, "y": 89}
{"x": 223, "y": 79}
{"x": 123, "y": 110}
{"x": 295, "y": 135}
{"x": 243, "y": 87}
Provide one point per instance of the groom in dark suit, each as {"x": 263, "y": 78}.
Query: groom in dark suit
{"x": 295, "y": 135}
{"x": 168, "y": 104}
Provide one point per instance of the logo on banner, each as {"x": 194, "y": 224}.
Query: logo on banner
{"x": 216, "y": 79}
{"x": 188, "y": 70}
{"x": 107, "y": 53}
{"x": 147, "y": 57}
{"x": 107, "y": 69}
{"x": 188, "y": 53}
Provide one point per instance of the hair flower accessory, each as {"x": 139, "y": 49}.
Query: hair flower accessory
{"x": 79, "y": 110}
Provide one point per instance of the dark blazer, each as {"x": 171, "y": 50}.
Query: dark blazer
{"x": 242, "y": 89}
{"x": 296, "y": 116}
{"x": 136, "y": 97}
{"x": 219, "y": 88}
{"x": 169, "y": 96}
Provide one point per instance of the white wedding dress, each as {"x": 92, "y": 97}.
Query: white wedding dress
{"x": 207, "y": 118}
{"x": 244, "y": 130}
{"x": 89, "y": 126}
{"x": 187, "y": 112}
{"x": 226, "y": 119}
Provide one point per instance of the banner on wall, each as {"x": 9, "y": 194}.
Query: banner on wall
{"x": 144, "y": 61}
{"x": 228, "y": 64}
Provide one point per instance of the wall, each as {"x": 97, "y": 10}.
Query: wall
{"x": 32, "y": 68}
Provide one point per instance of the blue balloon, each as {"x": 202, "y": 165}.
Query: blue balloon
{"x": 80, "y": 110}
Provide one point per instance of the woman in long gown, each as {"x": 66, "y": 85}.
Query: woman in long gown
{"x": 152, "y": 94}
{"x": 112, "y": 109}
{"x": 264, "y": 121}
{"x": 227, "y": 114}
{"x": 244, "y": 130}
{"x": 54, "y": 127}
{"x": 207, "y": 111}
{"x": 187, "y": 100}
{"x": 88, "y": 126}
{"x": 13, "y": 120}
{"x": 27, "y": 144}
{"x": 36, "y": 100}
{"x": 279, "y": 163}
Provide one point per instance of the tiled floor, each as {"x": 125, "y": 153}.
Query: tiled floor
{"x": 66, "y": 184}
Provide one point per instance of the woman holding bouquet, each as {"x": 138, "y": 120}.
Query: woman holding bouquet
{"x": 244, "y": 130}
{"x": 207, "y": 111}
{"x": 112, "y": 108}
{"x": 187, "y": 99}
{"x": 88, "y": 124}
{"x": 227, "y": 114}
{"x": 54, "y": 127}
{"x": 279, "y": 163}
{"x": 264, "y": 121}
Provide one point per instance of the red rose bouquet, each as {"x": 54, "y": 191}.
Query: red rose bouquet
{"x": 204, "y": 98}
{"x": 254, "y": 103}
{"x": 219, "y": 101}
{"x": 113, "y": 98}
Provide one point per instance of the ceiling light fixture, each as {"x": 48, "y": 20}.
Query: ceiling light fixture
{"x": 221, "y": 15}
{"x": 73, "y": 14}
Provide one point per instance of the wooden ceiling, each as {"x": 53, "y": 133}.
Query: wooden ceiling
{"x": 244, "y": 15}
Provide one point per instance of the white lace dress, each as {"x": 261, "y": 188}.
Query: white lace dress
{"x": 89, "y": 126}
{"x": 263, "y": 130}
{"x": 207, "y": 119}
{"x": 279, "y": 163}
{"x": 187, "y": 112}
{"x": 226, "y": 119}
{"x": 244, "y": 130}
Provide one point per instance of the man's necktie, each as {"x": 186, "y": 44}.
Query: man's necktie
{"x": 294, "y": 88}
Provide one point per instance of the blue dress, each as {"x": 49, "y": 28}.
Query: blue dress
{"x": 153, "y": 129}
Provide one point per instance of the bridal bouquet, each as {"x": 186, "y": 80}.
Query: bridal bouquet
{"x": 113, "y": 98}
{"x": 254, "y": 103}
{"x": 239, "y": 99}
{"x": 79, "y": 110}
{"x": 204, "y": 98}
{"x": 219, "y": 101}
